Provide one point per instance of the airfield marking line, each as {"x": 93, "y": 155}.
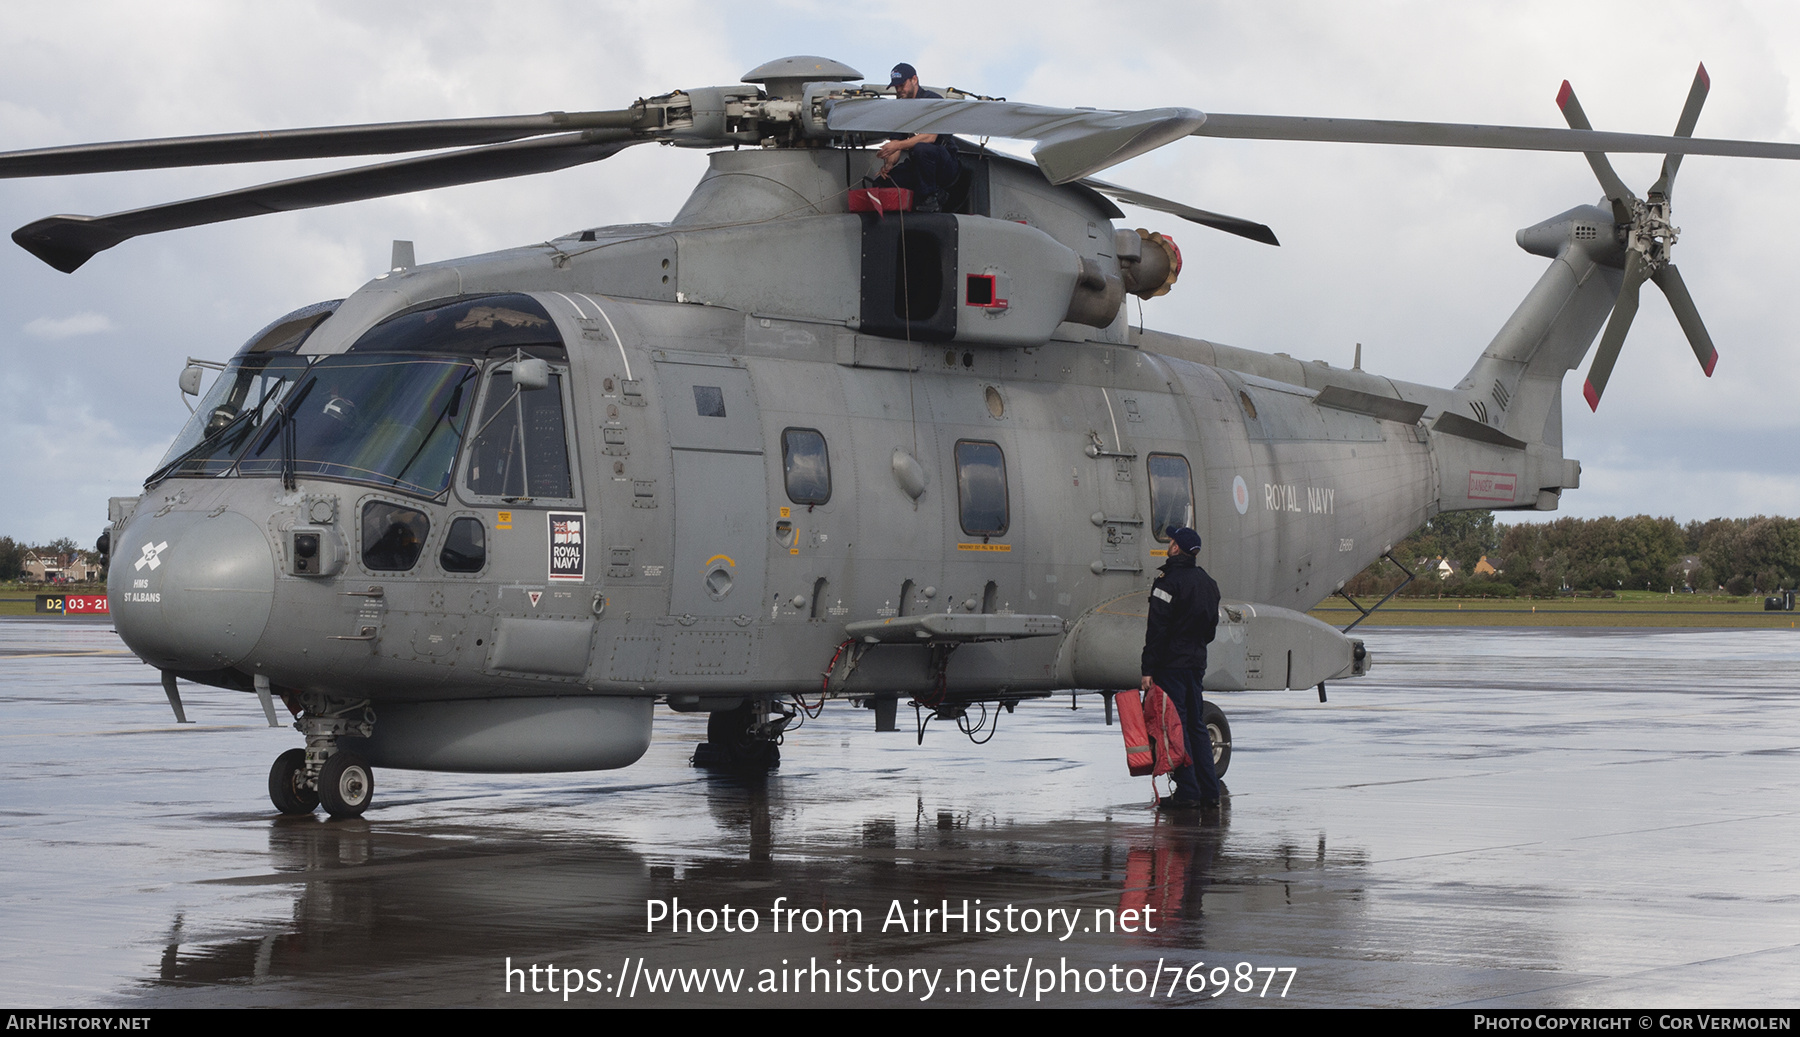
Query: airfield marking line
{"x": 171, "y": 730}
{"x": 66, "y": 655}
{"x": 1414, "y": 781}
{"x": 1458, "y": 853}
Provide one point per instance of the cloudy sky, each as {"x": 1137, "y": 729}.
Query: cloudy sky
{"x": 1408, "y": 251}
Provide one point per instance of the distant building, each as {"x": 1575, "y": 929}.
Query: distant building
{"x": 1486, "y": 568}
{"x": 55, "y": 568}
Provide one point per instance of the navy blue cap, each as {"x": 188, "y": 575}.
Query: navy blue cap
{"x": 1185, "y": 538}
{"x": 901, "y": 73}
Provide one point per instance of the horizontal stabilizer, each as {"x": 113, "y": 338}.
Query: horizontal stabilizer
{"x": 1386, "y": 408}
{"x": 1451, "y": 424}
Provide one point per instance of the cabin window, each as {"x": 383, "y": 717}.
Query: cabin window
{"x": 392, "y": 536}
{"x": 1171, "y": 494}
{"x": 807, "y": 465}
{"x": 465, "y": 546}
{"x": 709, "y": 401}
{"x": 981, "y": 487}
{"x": 521, "y": 448}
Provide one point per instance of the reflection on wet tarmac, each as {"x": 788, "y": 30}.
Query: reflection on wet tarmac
{"x": 1507, "y": 817}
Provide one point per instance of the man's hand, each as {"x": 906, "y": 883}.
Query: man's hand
{"x": 1145, "y": 684}
{"x": 894, "y": 150}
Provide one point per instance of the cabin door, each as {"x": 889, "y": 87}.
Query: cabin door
{"x": 715, "y": 436}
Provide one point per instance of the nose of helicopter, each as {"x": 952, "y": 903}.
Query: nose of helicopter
{"x": 192, "y": 590}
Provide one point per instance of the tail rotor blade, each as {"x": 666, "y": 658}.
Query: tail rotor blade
{"x": 1669, "y": 280}
{"x": 1616, "y": 326}
{"x": 1684, "y": 127}
{"x": 1615, "y": 188}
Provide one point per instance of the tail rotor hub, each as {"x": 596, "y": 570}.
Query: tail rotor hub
{"x": 1650, "y": 234}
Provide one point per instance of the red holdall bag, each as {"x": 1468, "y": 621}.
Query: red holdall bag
{"x": 880, "y": 200}
{"x": 1152, "y": 729}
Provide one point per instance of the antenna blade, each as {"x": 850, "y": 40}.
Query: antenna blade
{"x": 1615, "y": 189}
{"x": 1616, "y": 327}
{"x": 66, "y": 242}
{"x": 1217, "y": 221}
{"x": 385, "y": 138}
{"x": 1669, "y": 280}
{"x": 1684, "y": 127}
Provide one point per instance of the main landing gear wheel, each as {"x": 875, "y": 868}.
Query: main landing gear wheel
{"x": 1214, "y": 720}
{"x": 346, "y": 785}
{"x": 731, "y": 733}
{"x": 287, "y": 784}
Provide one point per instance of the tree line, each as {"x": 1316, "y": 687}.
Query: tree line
{"x": 1737, "y": 556}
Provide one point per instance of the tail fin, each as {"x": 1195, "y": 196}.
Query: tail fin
{"x": 1515, "y": 385}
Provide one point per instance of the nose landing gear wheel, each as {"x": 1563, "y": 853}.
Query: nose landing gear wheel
{"x": 346, "y": 785}
{"x": 731, "y": 734}
{"x": 287, "y": 784}
{"x": 1213, "y": 718}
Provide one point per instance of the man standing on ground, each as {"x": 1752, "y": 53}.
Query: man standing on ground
{"x": 929, "y": 167}
{"x": 1184, "y": 615}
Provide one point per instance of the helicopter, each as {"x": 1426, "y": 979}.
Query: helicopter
{"x": 801, "y": 442}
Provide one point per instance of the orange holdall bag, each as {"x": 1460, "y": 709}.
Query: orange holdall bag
{"x": 1152, "y": 727}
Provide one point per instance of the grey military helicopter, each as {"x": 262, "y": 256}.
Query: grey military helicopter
{"x": 799, "y": 443}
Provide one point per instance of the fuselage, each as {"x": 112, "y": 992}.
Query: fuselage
{"x": 763, "y": 422}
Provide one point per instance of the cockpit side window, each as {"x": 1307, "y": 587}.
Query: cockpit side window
{"x": 521, "y": 448}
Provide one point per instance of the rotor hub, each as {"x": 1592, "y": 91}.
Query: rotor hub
{"x": 1650, "y": 234}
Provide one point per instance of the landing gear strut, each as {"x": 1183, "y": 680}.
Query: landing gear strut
{"x": 322, "y": 773}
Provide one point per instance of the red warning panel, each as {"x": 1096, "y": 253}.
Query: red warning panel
{"x": 568, "y": 545}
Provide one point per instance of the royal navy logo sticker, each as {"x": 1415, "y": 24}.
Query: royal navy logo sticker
{"x": 568, "y": 545}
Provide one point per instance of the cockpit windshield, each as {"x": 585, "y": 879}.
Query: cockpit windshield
{"x": 390, "y": 420}
{"x": 390, "y": 412}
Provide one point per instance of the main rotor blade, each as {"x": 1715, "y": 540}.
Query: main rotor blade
{"x": 1669, "y": 280}
{"x": 1461, "y": 135}
{"x": 384, "y": 138}
{"x": 1615, "y": 188}
{"x": 66, "y": 242}
{"x": 1217, "y": 221}
{"x": 1684, "y": 127}
{"x": 1616, "y": 327}
{"x": 1071, "y": 142}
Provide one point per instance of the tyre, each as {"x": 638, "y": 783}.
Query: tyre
{"x": 728, "y": 731}
{"x": 346, "y": 785}
{"x": 1220, "y": 732}
{"x": 287, "y": 784}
